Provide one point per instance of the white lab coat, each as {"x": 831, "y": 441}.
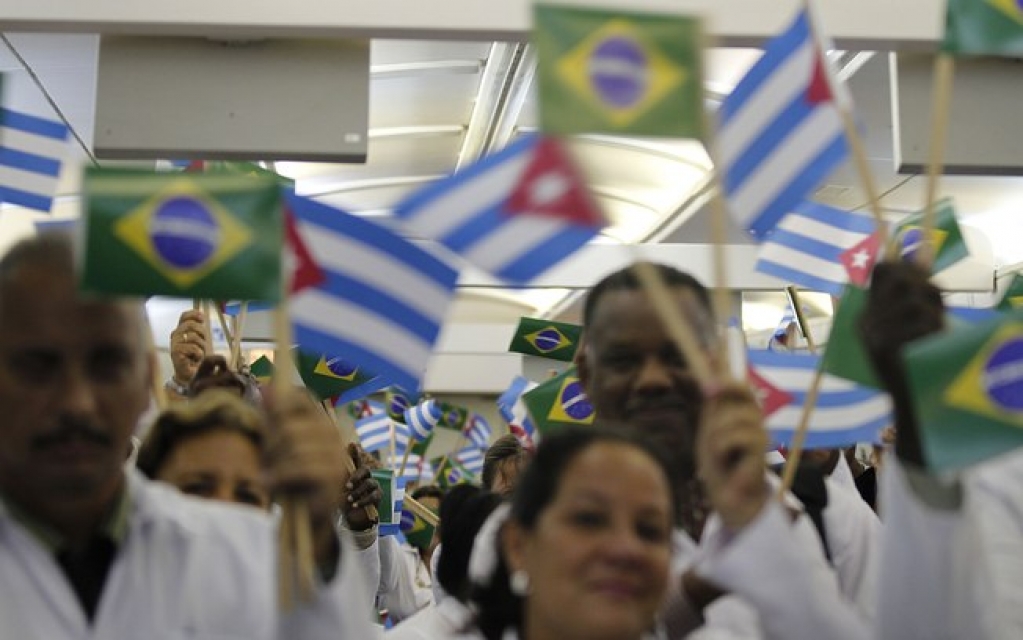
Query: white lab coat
{"x": 405, "y": 582}
{"x": 441, "y": 621}
{"x": 187, "y": 568}
{"x": 953, "y": 553}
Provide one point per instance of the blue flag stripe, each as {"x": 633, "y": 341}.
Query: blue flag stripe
{"x": 838, "y": 218}
{"x": 794, "y": 240}
{"x": 33, "y": 124}
{"x": 780, "y": 48}
{"x": 833, "y": 439}
{"x": 541, "y": 256}
{"x": 31, "y": 162}
{"x": 801, "y": 278}
{"x": 366, "y": 388}
{"x": 765, "y": 144}
{"x": 382, "y": 304}
{"x": 25, "y": 199}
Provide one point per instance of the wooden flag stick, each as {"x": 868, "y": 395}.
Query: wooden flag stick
{"x": 239, "y": 329}
{"x": 462, "y": 441}
{"x": 350, "y": 466}
{"x": 228, "y": 334}
{"x": 207, "y": 325}
{"x": 404, "y": 459}
{"x": 804, "y": 327}
{"x": 420, "y": 510}
{"x": 718, "y": 238}
{"x": 304, "y": 549}
{"x": 159, "y": 392}
{"x": 944, "y": 69}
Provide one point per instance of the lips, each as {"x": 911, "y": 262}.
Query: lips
{"x": 618, "y": 588}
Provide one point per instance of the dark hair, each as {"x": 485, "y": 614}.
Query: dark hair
{"x": 507, "y": 447}
{"x": 462, "y": 513}
{"x": 428, "y": 491}
{"x": 214, "y": 410}
{"x": 215, "y": 373}
{"x": 499, "y": 608}
{"x": 626, "y": 280}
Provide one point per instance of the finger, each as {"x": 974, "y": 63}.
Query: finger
{"x": 191, "y": 353}
{"x": 364, "y": 490}
{"x": 373, "y": 498}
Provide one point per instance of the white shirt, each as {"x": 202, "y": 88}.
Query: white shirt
{"x": 187, "y": 568}
{"x": 439, "y": 622}
{"x": 405, "y": 583}
{"x": 953, "y": 553}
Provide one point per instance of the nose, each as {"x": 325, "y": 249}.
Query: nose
{"x": 653, "y": 376}
{"x": 624, "y": 547}
{"x": 77, "y": 396}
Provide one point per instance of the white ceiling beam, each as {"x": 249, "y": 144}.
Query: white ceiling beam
{"x": 864, "y": 24}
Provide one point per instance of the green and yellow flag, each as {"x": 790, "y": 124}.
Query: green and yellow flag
{"x": 418, "y": 532}
{"x": 1013, "y": 297}
{"x": 453, "y": 416}
{"x": 984, "y": 27}
{"x": 618, "y": 72}
{"x": 262, "y": 370}
{"x": 217, "y": 236}
{"x": 946, "y": 238}
{"x": 547, "y": 339}
{"x": 396, "y": 402}
{"x": 559, "y": 402}
{"x": 452, "y": 473}
{"x": 967, "y": 388}
{"x": 845, "y": 356}
{"x": 329, "y": 376}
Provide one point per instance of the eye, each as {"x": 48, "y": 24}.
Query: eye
{"x": 621, "y": 359}
{"x": 246, "y": 495}
{"x": 110, "y": 364}
{"x": 34, "y": 366}
{"x": 588, "y": 519}
{"x": 199, "y": 488}
{"x": 652, "y": 531}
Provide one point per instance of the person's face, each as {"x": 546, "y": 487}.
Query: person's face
{"x": 218, "y": 465}
{"x": 598, "y": 556}
{"x": 74, "y": 379}
{"x": 507, "y": 476}
{"x": 633, "y": 373}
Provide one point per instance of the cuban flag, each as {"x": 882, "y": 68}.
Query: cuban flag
{"x": 471, "y": 457}
{"x": 478, "y": 431}
{"x": 422, "y": 418}
{"x": 377, "y": 431}
{"x": 382, "y": 300}
{"x": 32, "y": 150}
{"x": 515, "y": 213}
{"x": 513, "y": 410}
{"x": 845, "y": 413}
{"x": 780, "y": 131}
{"x": 821, "y": 248}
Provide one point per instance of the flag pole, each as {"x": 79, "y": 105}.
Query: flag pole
{"x": 404, "y": 458}
{"x": 239, "y": 328}
{"x": 420, "y": 510}
{"x": 207, "y": 325}
{"x": 462, "y": 441}
{"x": 944, "y": 69}
{"x": 804, "y": 327}
{"x": 228, "y": 334}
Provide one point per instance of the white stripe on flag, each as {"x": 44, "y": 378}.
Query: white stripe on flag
{"x": 805, "y": 262}
{"x": 821, "y": 231}
{"x": 512, "y": 240}
{"x": 30, "y": 181}
{"x": 32, "y": 143}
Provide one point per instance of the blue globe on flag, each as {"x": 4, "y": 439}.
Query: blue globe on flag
{"x": 184, "y": 233}
{"x": 618, "y": 72}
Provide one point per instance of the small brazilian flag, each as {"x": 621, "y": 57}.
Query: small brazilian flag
{"x": 452, "y": 473}
{"x": 418, "y": 532}
{"x": 1013, "y": 298}
{"x": 618, "y": 72}
{"x": 967, "y": 389}
{"x": 189, "y": 235}
{"x": 391, "y": 500}
{"x": 946, "y": 238}
{"x": 554, "y": 340}
{"x": 559, "y": 402}
{"x": 329, "y": 376}
{"x": 262, "y": 370}
{"x": 396, "y": 402}
{"x": 984, "y": 27}
{"x": 453, "y": 416}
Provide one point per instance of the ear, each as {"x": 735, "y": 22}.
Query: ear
{"x": 514, "y": 543}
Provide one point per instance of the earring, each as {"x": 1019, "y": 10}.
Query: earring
{"x": 519, "y": 583}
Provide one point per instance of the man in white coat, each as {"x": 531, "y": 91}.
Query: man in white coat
{"x": 88, "y": 550}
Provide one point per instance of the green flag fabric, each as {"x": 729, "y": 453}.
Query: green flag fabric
{"x": 385, "y": 478}
{"x": 395, "y": 403}
{"x": 328, "y": 376}
{"x": 984, "y": 27}
{"x": 453, "y": 416}
{"x": 262, "y": 370}
{"x": 845, "y": 355}
{"x": 452, "y": 473}
{"x": 967, "y": 388}
{"x": 618, "y": 72}
{"x": 559, "y": 402}
{"x": 419, "y": 448}
{"x": 418, "y": 532}
{"x": 1013, "y": 297}
{"x": 547, "y": 339}
{"x": 946, "y": 237}
{"x": 217, "y": 236}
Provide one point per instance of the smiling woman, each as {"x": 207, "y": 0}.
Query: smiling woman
{"x": 585, "y": 550}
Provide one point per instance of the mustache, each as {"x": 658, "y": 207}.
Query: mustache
{"x": 69, "y": 430}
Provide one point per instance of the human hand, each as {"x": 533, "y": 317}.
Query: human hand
{"x": 361, "y": 491}
{"x": 730, "y": 447}
{"x": 188, "y": 345}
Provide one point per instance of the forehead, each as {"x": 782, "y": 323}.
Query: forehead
{"x": 627, "y": 314}
{"x": 616, "y": 469}
{"x": 40, "y": 303}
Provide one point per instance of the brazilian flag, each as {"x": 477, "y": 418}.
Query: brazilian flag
{"x": 452, "y": 472}
{"x": 262, "y": 370}
{"x": 945, "y": 237}
{"x": 329, "y": 376}
{"x": 418, "y": 532}
{"x": 547, "y": 339}
{"x": 216, "y": 236}
{"x": 1013, "y": 297}
{"x": 453, "y": 416}
{"x": 967, "y": 389}
{"x": 396, "y": 402}
{"x": 984, "y": 27}
{"x": 845, "y": 356}
{"x": 618, "y": 72}
{"x": 559, "y": 402}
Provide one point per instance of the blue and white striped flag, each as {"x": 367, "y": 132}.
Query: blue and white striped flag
{"x": 377, "y": 431}
{"x": 468, "y": 213}
{"x": 383, "y": 300}
{"x": 470, "y": 457}
{"x": 820, "y": 248}
{"x": 414, "y": 468}
{"x": 478, "y": 431}
{"x": 779, "y": 132}
{"x": 422, "y": 418}
{"x": 513, "y": 410}
{"x": 32, "y": 150}
{"x": 845, "y": 413}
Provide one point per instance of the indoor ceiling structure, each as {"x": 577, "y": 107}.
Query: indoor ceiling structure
{"x": 437, "y": 104}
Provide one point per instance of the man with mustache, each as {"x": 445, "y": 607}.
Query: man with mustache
{"x": 633, "y": 372}
{"x": 88, "y": 550}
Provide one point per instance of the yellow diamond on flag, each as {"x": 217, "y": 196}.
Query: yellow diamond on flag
{"x": 991, "y": 384}
{"x": 571, "y": 404}
{"x": 335, "y": 368}
{"x": 548, "y": 339}
{"x": 183, "y": 232}
{"x": 909, "y": 238}
{"x": 1010, "y": 8}
{"x": 617, "y": 71}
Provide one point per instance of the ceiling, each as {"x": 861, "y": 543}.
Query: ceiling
{"x": 436, "y": 106}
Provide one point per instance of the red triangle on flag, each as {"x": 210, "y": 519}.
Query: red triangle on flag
{"x": 859, "y": 259}
{"x": 300, "y": 266}
{"x": 552, "y": 186}
{"x": 770, "y": 397}
{"x": 820, "y": 89}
